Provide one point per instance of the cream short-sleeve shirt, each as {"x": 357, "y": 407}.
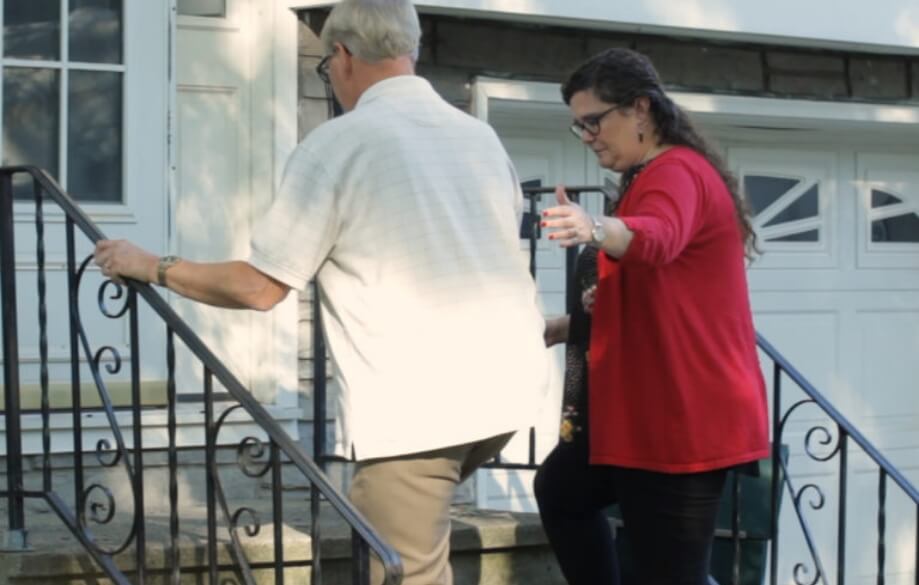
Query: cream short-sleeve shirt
{"x": 407, "y": 212}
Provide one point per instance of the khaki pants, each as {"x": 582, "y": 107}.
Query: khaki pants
{"x": 407, "y": 500}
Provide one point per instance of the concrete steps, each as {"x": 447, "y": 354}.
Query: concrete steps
{"x": 489, "y": 548}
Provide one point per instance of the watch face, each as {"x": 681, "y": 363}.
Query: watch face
{"x": 599, "y": 234}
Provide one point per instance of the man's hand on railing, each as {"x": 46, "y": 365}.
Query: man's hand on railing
{"x": 232, "y": 285}
{"x": 121, "y": 258}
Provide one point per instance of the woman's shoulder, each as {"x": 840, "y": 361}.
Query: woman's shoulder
{"x": 681, "y": 155}
{"x": 686, "y": 162}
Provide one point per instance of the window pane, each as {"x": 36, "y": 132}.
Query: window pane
{"x": 880, "y": 199}
{"x": 95, "y": 31}
{"x": 32, "y": 29}
{"x": 804, "y": 207}
{"x": 212, "y": 8}
{"x": 761, "y": 191}
{"x": 94, "y": 136}
{"x": 30, "y": 121}
{"x": 808, "y": 236}
{"x": 901, "y": 228}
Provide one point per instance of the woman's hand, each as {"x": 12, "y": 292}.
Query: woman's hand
{"x": 588, "y": 297}
{"x": 568, "y": 223}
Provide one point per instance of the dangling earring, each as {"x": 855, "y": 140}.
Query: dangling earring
{"x": 641, "y": 137}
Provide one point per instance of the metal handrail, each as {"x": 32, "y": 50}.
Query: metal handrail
{"x": 853, "y": 433}
{"x": 389, "y": 558}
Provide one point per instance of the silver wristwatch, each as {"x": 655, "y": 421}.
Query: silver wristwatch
{"x": 597, "y": 233}
{"x": 164, "y": 264}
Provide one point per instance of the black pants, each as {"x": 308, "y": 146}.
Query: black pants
{"x": 669, "y": 519}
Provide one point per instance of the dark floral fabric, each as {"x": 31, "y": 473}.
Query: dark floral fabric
{"x": 574, "y": 398}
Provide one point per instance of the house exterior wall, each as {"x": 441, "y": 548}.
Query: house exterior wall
{"x": 457, "y": 50}
{"x": 879, "y": 26}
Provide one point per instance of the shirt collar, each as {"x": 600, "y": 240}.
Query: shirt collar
{"x": 399, "y": 85}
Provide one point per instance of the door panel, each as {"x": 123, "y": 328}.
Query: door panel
{"x": 548, "y": 158}
{"x": 218, "y": 183}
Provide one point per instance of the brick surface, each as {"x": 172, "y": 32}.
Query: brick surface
{"x": 805, "y": 62}
{"x": 485, "y": 47}
{"x": 596, "y": 44}
{"x": 878, "y": 78}
{"x": 914, "y": 75}
{"x": 705, "y": 66}
{"x": 809, "y": 86}
{"x": 807, "y": 75}
{"x": 426, "y": 54}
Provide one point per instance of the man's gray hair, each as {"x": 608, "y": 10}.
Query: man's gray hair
{"x": 373, "y": 30}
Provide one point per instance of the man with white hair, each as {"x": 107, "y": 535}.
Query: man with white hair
{"x": 406, "y": 211}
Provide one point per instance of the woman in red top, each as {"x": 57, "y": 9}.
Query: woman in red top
{"x": 676, "y": 396}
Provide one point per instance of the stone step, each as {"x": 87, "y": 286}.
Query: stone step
{"x": 489, "y": 548}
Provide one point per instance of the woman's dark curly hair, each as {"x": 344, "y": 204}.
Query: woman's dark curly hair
{"x": 621, "y": 76}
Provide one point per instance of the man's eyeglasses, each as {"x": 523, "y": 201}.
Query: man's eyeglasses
{"x": 590, "y": 123}
{"x": 322, "y": 68}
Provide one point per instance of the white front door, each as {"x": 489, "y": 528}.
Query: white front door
{"x": 226, "y": 111}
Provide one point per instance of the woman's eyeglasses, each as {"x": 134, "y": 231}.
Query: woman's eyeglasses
{"x": 590, "y": 123}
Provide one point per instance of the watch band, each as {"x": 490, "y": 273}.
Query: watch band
{"x": 597, "y": 232}
{"x": 164, "y": 264}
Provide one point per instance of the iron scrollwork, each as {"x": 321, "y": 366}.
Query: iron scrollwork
{"x": 99, "y": 503}
{"x": 252, "y": 460}
{"x": 820, "y": 445}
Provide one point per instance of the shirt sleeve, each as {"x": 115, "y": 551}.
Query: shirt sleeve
{"x": 518, "y": 192}
{"x": 297, "y": 233}
{"x": 663, "y": 217}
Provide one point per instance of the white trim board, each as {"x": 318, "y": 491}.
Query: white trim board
{"x": 493, "y": 98}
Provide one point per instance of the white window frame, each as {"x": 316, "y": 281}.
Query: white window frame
{"x": 109, "y": 212}
{"x": 819, "y": 167}
{"x": 894, "y": 170}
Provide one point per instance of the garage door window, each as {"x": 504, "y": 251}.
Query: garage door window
{"x": 785, "y": 209}
{"x": 892, "y": 219}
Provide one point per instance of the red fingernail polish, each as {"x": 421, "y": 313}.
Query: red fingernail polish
{"x": 543, "y": 224}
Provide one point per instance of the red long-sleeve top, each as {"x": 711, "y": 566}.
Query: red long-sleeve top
{"x": 675, "y": 382}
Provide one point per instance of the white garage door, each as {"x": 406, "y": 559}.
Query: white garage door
{"x": 837, "y": 291}
{"x": 836, "y": 288}
{"x": 835, "y": 191}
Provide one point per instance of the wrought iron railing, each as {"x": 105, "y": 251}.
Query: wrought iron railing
{"x": 834, "y": 436}
{"x": 95, "y": 505}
